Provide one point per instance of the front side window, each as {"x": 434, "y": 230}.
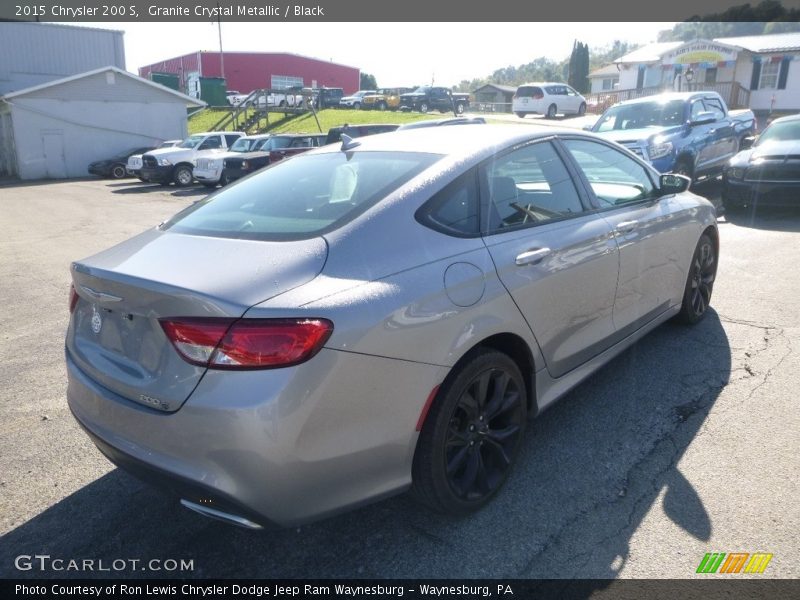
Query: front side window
{"x": 301, "y": 198}
{"x": 529, "y": 186}
{"x": 640, "y": 115}
{"x": 614, "y": 177}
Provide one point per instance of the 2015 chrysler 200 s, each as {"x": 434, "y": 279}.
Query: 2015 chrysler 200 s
{"x": 377, "y": 315}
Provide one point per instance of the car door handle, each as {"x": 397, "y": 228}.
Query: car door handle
{"x": 532, "y": 257}
{"x": 626, "y": 227}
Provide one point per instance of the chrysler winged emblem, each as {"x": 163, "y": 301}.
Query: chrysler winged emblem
{"x": 97, "y": 321}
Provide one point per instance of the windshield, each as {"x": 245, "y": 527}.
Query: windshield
{"x": 302, "y": 197}
{"x": 191, "y": 142}
{"x": 243, "y": 145}
{"x": 261, "y": 144}
{"x": 276, "y": 143}
{"x": 780, "y": 132}
{"x": 642, "y": 115}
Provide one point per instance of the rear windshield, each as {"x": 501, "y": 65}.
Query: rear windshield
{"x": 529, "y": 90}
{"x": 641, "y": 115}
{"x": 302, "y": 197}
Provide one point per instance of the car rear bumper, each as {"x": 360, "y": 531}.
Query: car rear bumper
{"x": 741, "y": 193}
{"x": 282, "y": 446}
{"x": 156, "y": 174}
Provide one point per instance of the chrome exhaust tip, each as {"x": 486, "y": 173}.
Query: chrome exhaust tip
{"x": 219, "y": 515}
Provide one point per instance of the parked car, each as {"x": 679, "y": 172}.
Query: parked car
{"x": 176, "y": 164}
{"x": 769, "y": 172}
{"x": 209, "y": 170}
{"x": 384, "y": 99}
{"x": 356, "y": 100}
{"x": 276, "y": 148}
{"x": 354, "y": 131}
{"x": 235, "y": 98}
{"x": 362, "y": 320}
{"x": 548, "y": 99}
{"x": 690, "y": 133}
{"x": 427, "y": 98}
{"x": 327, "y": 97}
{"x": 114, "y": 167}
{"x": 443, "y": 122}
{"x": 134, "y": 165}
{"x": 281, "y": 99}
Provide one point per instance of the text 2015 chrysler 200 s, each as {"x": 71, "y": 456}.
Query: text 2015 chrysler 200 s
{"x": 377, "y": 315}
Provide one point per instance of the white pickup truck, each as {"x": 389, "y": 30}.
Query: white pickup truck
{"x": 176, "y": 164}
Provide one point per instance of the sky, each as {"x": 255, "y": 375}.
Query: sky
{"x": 398, "y": 54}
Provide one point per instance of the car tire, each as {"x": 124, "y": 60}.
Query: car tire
{"x": 356, "y": 105}
{"x": 582, "y": 109}
{"x": 699, "y": 282}
{"x": 382, "y": 106}
{"x": 552, "y": 111}
{"x": 118, "y": 171}
{"x": 459, "y": 108}
{"x": 282, "y": 104}
{"x": 521, "y": 115}
{"x": 223, "y": 179}
{"x": 182, "y": 176}
{"x": 466, "y": 449}
{"x": 423, "y": 107}
{"x": 732, "y": 207}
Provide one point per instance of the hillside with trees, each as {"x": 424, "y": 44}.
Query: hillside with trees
{"x": 546, "y": 69}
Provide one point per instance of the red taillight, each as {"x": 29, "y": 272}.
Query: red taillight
{"x": 73, "y": 299}
{"x": 247, "y": 343}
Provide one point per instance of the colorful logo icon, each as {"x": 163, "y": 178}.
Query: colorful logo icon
{"x": 734, "y": 562}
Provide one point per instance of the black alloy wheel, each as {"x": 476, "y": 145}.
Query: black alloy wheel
{"x": 471, "y": 435}
{"x": 700, "y": 282}
{"x": 118, "y": 171}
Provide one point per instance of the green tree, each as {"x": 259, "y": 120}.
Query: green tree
{"x": 368, "y": 82}
{"x": 578, "y": 69}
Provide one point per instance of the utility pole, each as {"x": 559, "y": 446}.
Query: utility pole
{"x": 221, "y": 55}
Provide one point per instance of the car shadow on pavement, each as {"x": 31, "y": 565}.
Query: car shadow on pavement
{"x": 589, "y": 471}
{"x": 149, "y": 188}
{"x": 766, "y": 217}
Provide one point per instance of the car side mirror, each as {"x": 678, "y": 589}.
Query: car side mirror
{"x": 704, "y": 117}
{"x": 748, "y": 142}
{"x": 673, "y": 184}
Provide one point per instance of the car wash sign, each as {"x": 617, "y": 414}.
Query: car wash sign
{"x": 700, "y": 52}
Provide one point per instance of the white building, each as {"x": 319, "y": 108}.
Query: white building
{"x": 761, "y": 72}
{"x": 56, "y": 129}
{"x": 35, "y": 53}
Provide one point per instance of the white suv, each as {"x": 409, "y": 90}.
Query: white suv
{"x": 548, "y": 99}
{"x": 208, "y": 169}
{"x": 167, "y": 165}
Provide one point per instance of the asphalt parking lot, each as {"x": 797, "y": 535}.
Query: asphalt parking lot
{"x": 685, "y": 444}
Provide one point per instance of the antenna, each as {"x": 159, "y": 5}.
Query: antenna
{"x": 349, "y": 143}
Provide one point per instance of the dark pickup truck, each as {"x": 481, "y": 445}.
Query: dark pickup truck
{"x": 690, "y": 133}
{"x": 427, "y": 98}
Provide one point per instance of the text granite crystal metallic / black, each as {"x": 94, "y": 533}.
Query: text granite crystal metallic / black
{"x": 378, "y": 315}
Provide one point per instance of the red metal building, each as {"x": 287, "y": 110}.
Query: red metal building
{"x": 248, "y": 71}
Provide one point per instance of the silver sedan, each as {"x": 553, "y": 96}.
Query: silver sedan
{"x": 378, "y": 315}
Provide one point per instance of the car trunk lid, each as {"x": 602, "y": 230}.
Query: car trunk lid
{"x": 115, "y": 335}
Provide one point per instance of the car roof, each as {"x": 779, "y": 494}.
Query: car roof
{"x": 455, "y": 141}
{"x": 259, "y": 136}
{"x": 670, "y": 96}
{"x": 543, "y": 83}
{"x": 785, "y": 119}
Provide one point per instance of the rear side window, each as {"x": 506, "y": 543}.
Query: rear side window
{"x": 529, "y": 91}
{"x": 302, "y": 197}
{"x": 528, "y": 186}
{"x": 455, "y": 210}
